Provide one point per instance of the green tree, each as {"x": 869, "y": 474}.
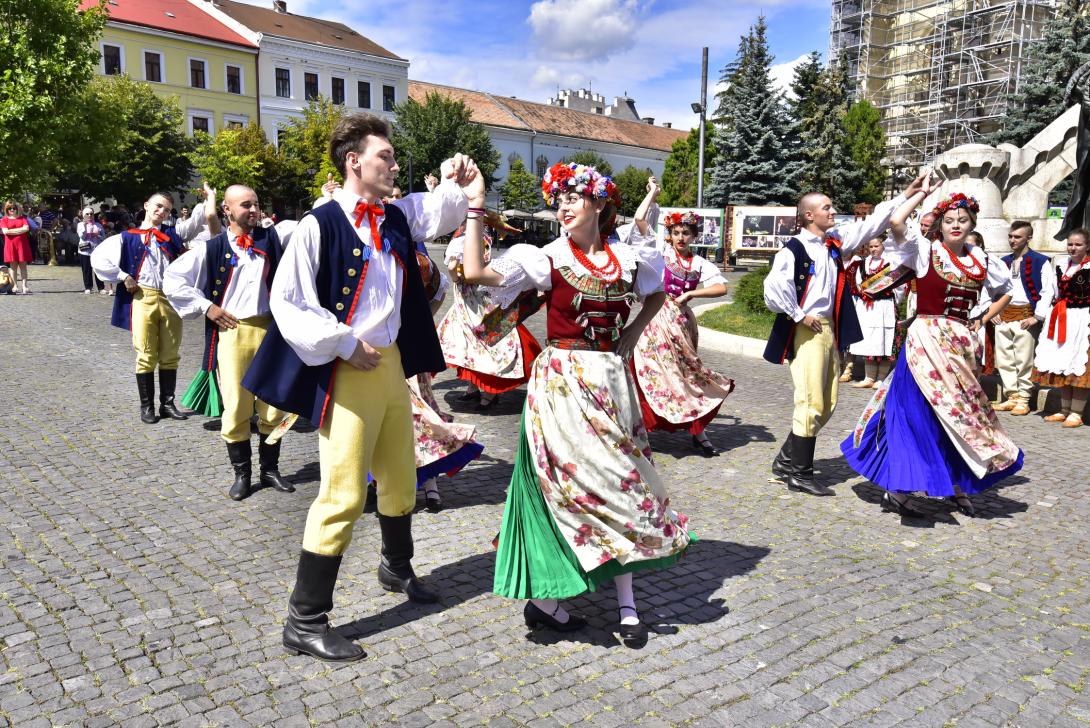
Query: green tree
{"x": 866, "y": 143}
{"x": 752, "y": 166}
{"x": 682, "y": 167}
{"x": 435, "y": 130}
{"x": 520, "y": 189}
{"x": 50, "y": 52}
{"x": 632, "y": 184}
{"x": 243, "y": 156}
{"x": 826, "y": 164}
{"x": 590, "y": 159}
{"x": 145, "y": 151}
{"x": 304, "y": 152}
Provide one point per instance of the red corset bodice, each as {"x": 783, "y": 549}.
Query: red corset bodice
{"x": 941, "y": 294}
{"x": 584, "y": 308}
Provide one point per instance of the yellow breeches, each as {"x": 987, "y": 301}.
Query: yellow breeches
{"x": 368, "y": 427}
{"x": 156, "y": 331}
{"x": 815, "y": 371}
{"x": 234, "y": 354}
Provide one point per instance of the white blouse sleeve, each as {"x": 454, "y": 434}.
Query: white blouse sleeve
{"x": 710, "y": 274}
{"x": 1049, "y": 289}
{"x": 453, "y": 253}
{"x": 649, "y": 269}
{"x": 524, "y": 268}
{"x": 780, "y": 296}
{"x": 914, "y": 251}
{"x": 184, "y": 282}
{"x": 284, "y": 230}
{"x": 998, "y": 281}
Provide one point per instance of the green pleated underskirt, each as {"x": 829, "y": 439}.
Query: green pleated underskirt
{"x": 533, "y": 561}
{"x": 203, "y": 395}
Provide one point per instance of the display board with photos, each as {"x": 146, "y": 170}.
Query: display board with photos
{"x": 712, "y": 229}
{"x": 767, "y": 228}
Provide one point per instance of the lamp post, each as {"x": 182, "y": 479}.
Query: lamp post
{"x": 701, "y": 108}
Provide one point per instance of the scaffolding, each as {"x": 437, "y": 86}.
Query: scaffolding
{"x": 941, "y": 72}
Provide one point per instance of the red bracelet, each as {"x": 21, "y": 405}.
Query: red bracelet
{"x": 478, "y": 210}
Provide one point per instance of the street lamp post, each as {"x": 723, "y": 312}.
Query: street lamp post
{"x": 702, "y": 108}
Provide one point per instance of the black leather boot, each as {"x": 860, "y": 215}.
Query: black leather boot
{"x": 168, "y": 379}
{"x": 145, "y": 384}
{"x": 781, "y": 466}
{"x": 239, "y": 454}
{"x": 370, "y": 503}
{"x": 395, "y": 570}
{"x": 268, "y": 457}
{"x": 802, "y": 462}
{"x": 307, "y": 631}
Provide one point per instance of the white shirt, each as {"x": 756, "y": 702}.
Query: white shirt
{"x": 820, "y": 294}
{"x": 247, "y": 291}
{"x": 106, "y": 258}
{"x": 312, "y": 330}
{"x": 1019, "y": 297}
{"x": 710, "y": 274}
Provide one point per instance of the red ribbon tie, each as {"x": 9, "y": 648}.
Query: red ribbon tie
{"x": 373, "y": 212}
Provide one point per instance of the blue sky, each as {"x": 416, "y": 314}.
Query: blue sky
{"x": 526, "y": 48}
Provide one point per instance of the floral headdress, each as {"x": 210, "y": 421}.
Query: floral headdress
{"x": 955, "y": 201}
{"x": 578, "y": 178}
{"x": 682, "y": 218}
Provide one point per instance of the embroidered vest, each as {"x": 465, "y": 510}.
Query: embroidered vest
{"x": 277, "y": 375}
{"x": 943, "y": 294}
{"x": 133, "y": 252}
{"x": 584, "y": 309}
{"x": 1030, "y": 272}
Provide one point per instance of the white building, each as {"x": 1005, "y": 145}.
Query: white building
{"x": 543, "y": 134}
{"x": 300, "y": 58}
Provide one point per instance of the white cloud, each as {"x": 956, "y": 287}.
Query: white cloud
{"x": 583, "y": 30}
{"x": 784, "y": 73}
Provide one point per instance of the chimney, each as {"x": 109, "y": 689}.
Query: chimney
{"x": 667, "y": 125}
{"x": 649, "y": 120}
{"x": 280, "y": 6}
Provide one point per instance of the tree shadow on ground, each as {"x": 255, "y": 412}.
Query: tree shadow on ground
{"x": 679, "y": 595}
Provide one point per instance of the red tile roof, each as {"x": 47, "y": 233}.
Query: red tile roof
{"x": 177, "y": 16}
{"x": 548, "y": 119}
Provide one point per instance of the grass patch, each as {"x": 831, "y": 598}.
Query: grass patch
{"x": 734, "y": 318}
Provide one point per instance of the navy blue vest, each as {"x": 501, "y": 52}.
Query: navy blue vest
{"x": 1032, "y": 265}
{"x": 133, "y": 252}
{"x": 845, "y": 323}
{"x": 218, "y": 271}
{"x": 277, "y": 375}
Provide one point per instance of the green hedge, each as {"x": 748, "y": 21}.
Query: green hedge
{"x": 749, "y": 292}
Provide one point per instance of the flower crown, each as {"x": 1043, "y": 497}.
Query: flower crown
{"x": 955, "y": 201}
{"x": 682, "y": 218}
{"x": 579, "y": 178}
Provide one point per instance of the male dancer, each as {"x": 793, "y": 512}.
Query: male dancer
{"x": 138, "y": 259}
{"x": 352, "y": 321}
{"x": 1018, "y": 324}
{"x": 815, "y": 318}
{"x": 226, "y": 279}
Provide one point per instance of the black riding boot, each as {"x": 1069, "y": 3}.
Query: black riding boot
{"x": 307, "y": 631}
{"x": 781, "y": 466}
{"x": 802, "y": 463}
{"x": 395, "y": 571}
{"x": 239, "y": 453}
{"x": 168, "y": 378}
{"x": 268, "y": 457}
{"x": 145, "y": 384}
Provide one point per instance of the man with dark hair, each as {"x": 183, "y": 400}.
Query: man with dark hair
{"x": 1017, "y": 325}
{"x": 351, "y": 322}
{"x": 815, "y": 318}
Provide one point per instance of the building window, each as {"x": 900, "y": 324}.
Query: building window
{"x": 338, "y": 90}
{"x": 542, "y": 163}
{"x": 198, "y": 76}
{"x": 153, "y": 66}
{"x": 310, "y": 86}
{"x": 388, "y": 98}
{"x": 234, "y": 121}
{"x": 111, "y": 60}
{"x": 234, "y": 80}
{"x": 283, "y": 83}
{"x": 363, "y": 91}
{"x": 202, "y": 124}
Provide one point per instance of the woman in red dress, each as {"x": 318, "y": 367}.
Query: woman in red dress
{"x": 16, "y": 241}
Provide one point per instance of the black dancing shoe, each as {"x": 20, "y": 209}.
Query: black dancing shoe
{"x": 432, "y": 502}
{"x": 892, "y": 505}
{"x": 469, "y": 396}
{"x": 537, "y": 619}
{"x": 633, "y": 635}
{"x": 487, "y": 404}
{"x": 963, "y": 505}
{"x": 705, "y": 448}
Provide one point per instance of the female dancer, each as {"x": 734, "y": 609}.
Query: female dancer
{"x": 1064, "y": 346}
{"x": 931, "y": 427}
{"x": 877, "y": 314}
{"x": 487, "y": 345}
{"x": 585, "y": 504}
{"x": 677, "y": 391}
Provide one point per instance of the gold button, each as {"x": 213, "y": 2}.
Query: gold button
{"x": 340, "y": 307}
{"x": 227, "y": 256}
{"x": 357, "y": 252}
{"x": 351, "y": 272}
{"x": 346, "y": 290}
{"x": 222, "y": 269}
{"x": 215, "y": 293}
{"x": 218, "y": 281}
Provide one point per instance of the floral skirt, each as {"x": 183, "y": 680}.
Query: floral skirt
{"x": 443, "y": 447}
{"x": 931, "y": 427}
{"x": 677, "y": 391}
{"x": 585, "y": 503}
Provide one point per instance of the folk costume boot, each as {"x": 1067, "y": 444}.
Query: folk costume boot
{"x": 268, "y": 457}
{"x": 239, "y": 454}
{"x": 168, "y": 379}
{"x": 307, "y": 630}
{"x": 145, "y": 384}
{"x": 781, "y": 466}
{"x": 395, "y": 570}
{"x": 802, "y": 462}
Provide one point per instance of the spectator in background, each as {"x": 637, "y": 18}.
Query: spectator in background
{"x": 90, "y": 234}
{"x": 183, "y": 214}
{"x": 49, "y": 217}
{"x": 16, "y": 228}
{"x": 66, "y": 241}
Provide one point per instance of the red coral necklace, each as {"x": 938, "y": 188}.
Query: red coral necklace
{"x": 609, "y": 272}
{"x": 977, "y": 273}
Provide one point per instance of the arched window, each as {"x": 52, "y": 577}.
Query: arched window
{"x": 542, "y": 164}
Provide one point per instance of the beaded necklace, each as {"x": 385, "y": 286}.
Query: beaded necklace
{"x": 977, "y": 273}
{"x": 881, "y": 264}
{"x": 681, "y": 261}
{"x": 1078, "y": 266}
{"x": 609, "y": 272}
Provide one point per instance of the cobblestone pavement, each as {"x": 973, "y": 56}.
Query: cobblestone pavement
{"x": 133, "y": 592}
